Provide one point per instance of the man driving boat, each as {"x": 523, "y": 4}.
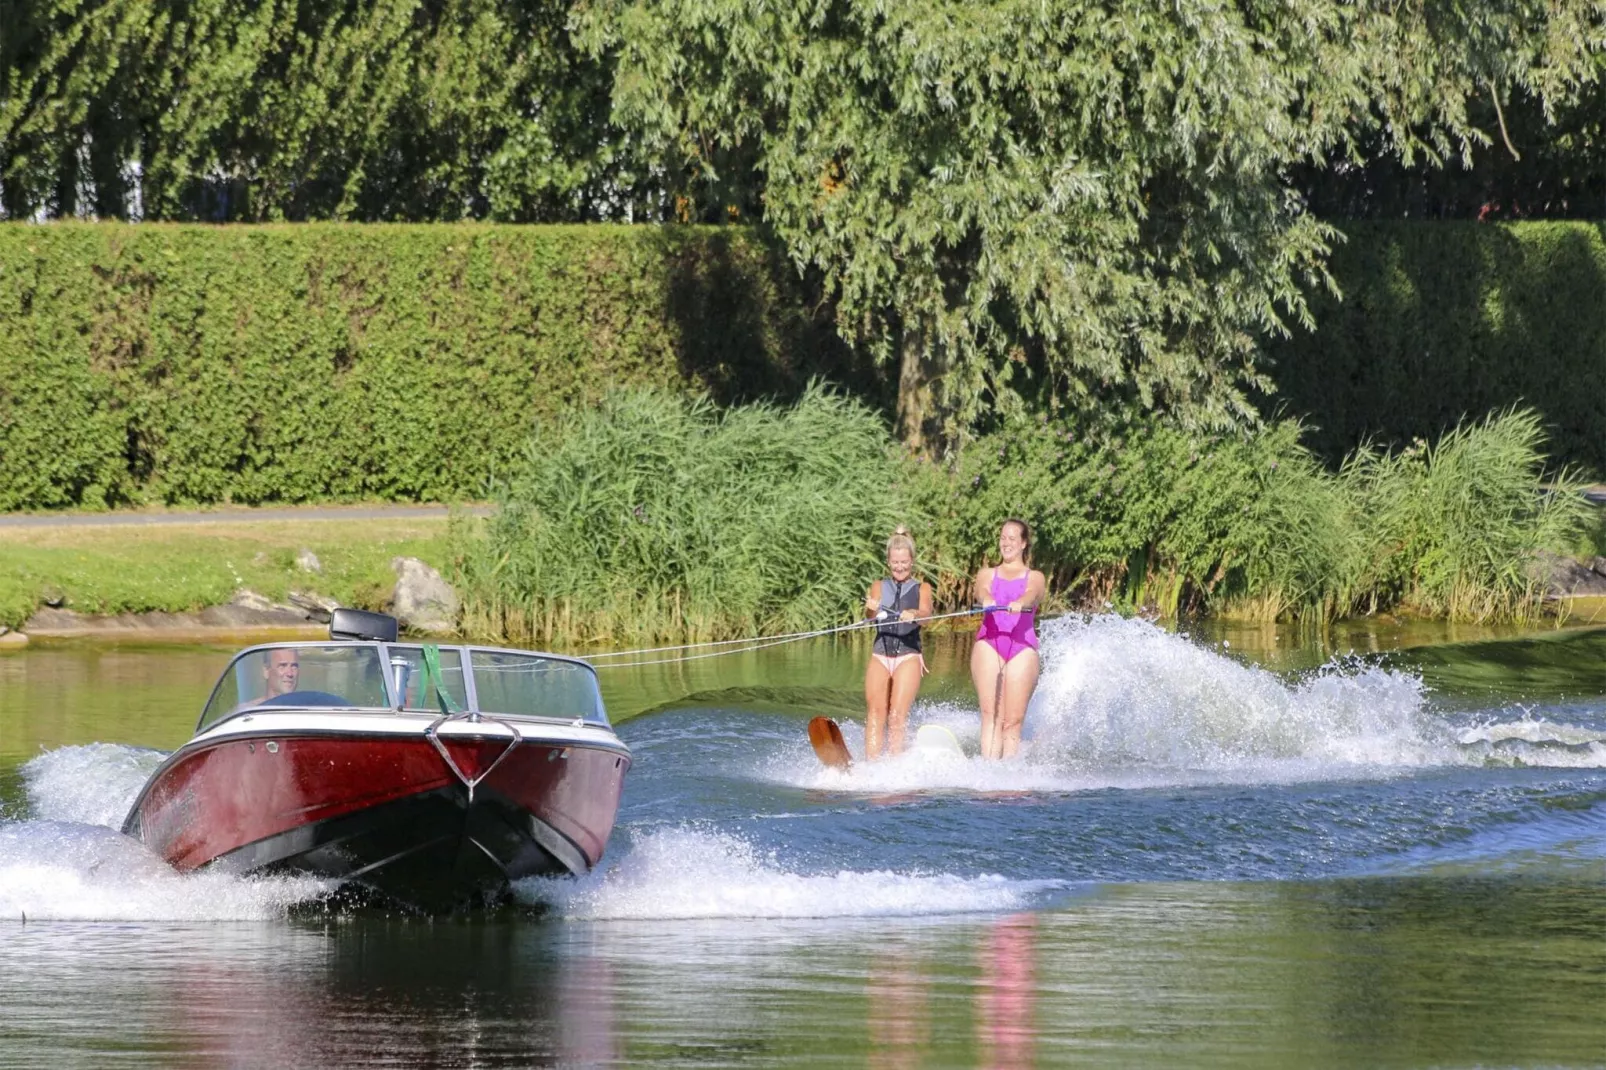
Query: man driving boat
{"x": 281, "y": 670}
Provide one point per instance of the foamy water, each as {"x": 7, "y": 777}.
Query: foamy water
{"x": 60, "y": 871}
{"x": 1124, "y": 704}
{"x": 94, "y": 784}
{"x": 700, "y": 873}
{"x": 1121, "y": 706}
{"x": 1117, "y": 692}
{"x": 65, "y": 860}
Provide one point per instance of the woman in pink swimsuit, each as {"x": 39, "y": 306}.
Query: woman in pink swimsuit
{"x": 1004, "y": 662}
{"x": 893, "y": 676}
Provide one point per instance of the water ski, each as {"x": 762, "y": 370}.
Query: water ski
{"x": 826, "y": 738}
{"x": 937, "y": 739}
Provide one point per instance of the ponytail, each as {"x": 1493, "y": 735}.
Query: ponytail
{"x": 901, "y": 540}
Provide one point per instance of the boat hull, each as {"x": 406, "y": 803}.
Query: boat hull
{"x": 386, "y": 810}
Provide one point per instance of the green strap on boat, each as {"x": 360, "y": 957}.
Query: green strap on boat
{"x": 434, "y": 677}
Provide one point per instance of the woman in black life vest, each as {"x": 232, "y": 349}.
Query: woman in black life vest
{"x": 892, "y": 678}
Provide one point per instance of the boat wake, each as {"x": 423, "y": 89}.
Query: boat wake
{"x": 1535, "y": 742}
{"x": 692, "y": 872}
{"x": 1560, "y": 843}
{"x": 93, "y": 784}
{"x": 65, "y": 859}
{"x": 1124, "y": 704}
{"x": 62, "y": 871}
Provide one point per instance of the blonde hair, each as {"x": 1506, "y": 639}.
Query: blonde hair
{"x": 900, "y": 540}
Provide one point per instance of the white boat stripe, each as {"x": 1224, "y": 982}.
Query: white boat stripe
{"x": 294, "y": 723}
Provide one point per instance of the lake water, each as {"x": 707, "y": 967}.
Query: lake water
{"x": 1257, "y": 854}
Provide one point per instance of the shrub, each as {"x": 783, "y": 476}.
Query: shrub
{"x": 1453, "y": 527}
{"x": 144, "y": 363}
{"x": 1440, "y": 322}
{"x": 1254, "y": 526}
{"x": 656, "y": 516}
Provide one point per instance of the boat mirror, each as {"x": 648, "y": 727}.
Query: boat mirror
{"x": 360, "y": 624}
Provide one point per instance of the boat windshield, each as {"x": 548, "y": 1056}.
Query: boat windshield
{"x": 336, "y": 676}
{"x": 418, "y": 690}
{"x": 355, "y": 676}
{"x": 529, "y": 685}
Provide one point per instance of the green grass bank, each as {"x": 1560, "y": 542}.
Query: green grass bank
{"x": 182, "y": 567}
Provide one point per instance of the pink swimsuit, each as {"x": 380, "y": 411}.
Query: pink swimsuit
{"x": 1008, "y": 633}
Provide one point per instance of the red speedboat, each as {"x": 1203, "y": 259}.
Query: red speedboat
{"x": 433, "y": 775}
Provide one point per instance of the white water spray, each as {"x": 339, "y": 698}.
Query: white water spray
{"x": 1121, "y": 703}
{"x": 67, "y": 861}
{"x": 699, "y": 873}
{"x": 57, "y": 871}
{"x": 1117, "y": 692}
{"x": 94, "y": 784}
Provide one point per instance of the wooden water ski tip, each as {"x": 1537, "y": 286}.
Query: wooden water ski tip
{"x": 826, "y": 738}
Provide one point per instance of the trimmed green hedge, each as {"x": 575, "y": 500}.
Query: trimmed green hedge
{"x": 288, "y": 363}
{"x": 1441, "y": 321}
{"x": 316, "y": 361}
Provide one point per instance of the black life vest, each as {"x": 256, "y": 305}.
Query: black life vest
{"x": 900, "y": 637}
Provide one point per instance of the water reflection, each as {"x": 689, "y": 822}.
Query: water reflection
{"x": 1004, "y": 1027}
{"x": 56, "y": 696}
{"x": 1397, "y": 971}
{"x": 1289, "y": 646}
{"x": 1551, "y": 663}
{"x": 588, "y": 1033}
{"x": 357, "y": 992}
{"x": 458, "y": 994}
{"x": 899, "y": 1007}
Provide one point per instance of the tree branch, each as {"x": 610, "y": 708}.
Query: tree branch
{"x": 1500, "y": 115}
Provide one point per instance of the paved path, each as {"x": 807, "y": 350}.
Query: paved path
{"x": 235, "y": 515}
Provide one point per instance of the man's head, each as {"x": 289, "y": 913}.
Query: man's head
{"x": 282, "y": 669}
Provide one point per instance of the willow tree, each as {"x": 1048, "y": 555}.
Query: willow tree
{"x": 303, "y": 109}
{"x": 1095, "y": 194}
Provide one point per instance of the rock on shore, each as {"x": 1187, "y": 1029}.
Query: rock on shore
{"x": 1567, "y": 577}
{"x": 423, "y": 601}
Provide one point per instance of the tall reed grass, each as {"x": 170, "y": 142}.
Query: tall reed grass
{"x": 654, "y": 517}
{"x": 1254, "y": 527}
{"x": 1452, "y": 529}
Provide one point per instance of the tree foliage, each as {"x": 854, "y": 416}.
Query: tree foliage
{"x": 1539, "y": 167}
{"x": 999, "y": 198}
{"x": 304, "y": 109}
{"x": 1098, "y": 192}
